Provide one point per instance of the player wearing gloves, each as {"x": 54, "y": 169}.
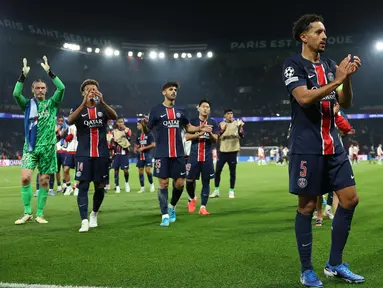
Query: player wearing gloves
{"x": 40, "y": 138}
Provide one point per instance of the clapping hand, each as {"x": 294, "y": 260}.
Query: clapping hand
{"x": 45, "y": 64}
{"x": 26, "y": 68}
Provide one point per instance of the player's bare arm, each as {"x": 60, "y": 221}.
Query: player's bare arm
{"x": 110, "y": 112}
{"x": 150, "y": 146}
{"x": 17, "y": 92}
{"x": 306, "y": 96}
{"x": 193, "y": 136}
{"x": 213, "y": 137}
{"x": 345, "y": 94}
{"x": 203, "y": 128}
{"x": 76, "y": 113}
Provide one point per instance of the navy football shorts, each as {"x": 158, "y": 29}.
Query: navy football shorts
{"x": 60, "y": 160}
{"x": 194, "y": 169}
{"x": 148, "y": 162}
{"x": 166, "y": 167}
{"x": 69, "y": 161}
{"x": 120, "y": 161}
{"x": 90, "y": 169}
{"x": 315, "y": 175}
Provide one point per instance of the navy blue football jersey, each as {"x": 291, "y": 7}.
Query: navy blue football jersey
{"x": 91, "y": 132}
{"x": 167, "y": 124}
{"x": 202, "y": 147}
{"x": 143, "y": 140}
{"x": 312, "y": 128}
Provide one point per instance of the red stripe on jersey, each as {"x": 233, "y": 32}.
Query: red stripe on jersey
{"x": 94, "y": 136}
{"x": 325, "y": 106}
{"x": 172, "y": 134}
{"x": 142, "y": 155}
{"x": 201, "y": 146}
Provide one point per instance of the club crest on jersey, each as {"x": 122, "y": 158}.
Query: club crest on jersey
{"x": 330, "y": 76}
{"x": 178, "y": 115}
{"x": 99, "y": 114}
{"x": 302, "y": 182}
{"x": 289, "y": 72}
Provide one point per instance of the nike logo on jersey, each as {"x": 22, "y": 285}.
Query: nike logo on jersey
{"x": 84, "y": 115}
{"x": 305, "y": 245}
{"x": 162, "y": 116}
{"x": 352, "y": 176}
{"x": 183, "y": 173}
{"x": 211, "y": 175}
{"x": 312, "y": 75}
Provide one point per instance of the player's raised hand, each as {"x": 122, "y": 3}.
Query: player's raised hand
{"x": 206, "y": 128}
{"x": 223, "y": 126}
{"x": 356, "y": 63}
{"x": 26, "y": 68}
{"x": 100, "y": 96}
{"x": 45, "y": 64}
{"x": 89, "y": 95}
{"x": 344, "y": 69}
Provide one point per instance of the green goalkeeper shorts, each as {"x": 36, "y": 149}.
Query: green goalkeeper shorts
{"x": 43, "y": 157}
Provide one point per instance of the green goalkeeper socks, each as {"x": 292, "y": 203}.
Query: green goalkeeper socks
{"x": 41, "y": 200}
{"x": 26, "y": 196}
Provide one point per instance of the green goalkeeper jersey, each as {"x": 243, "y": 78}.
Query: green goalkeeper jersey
{"x": 47, "y": 110}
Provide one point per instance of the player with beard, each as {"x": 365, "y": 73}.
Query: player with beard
{"x": 92, "y": 155}
{"x": 40, "y": 138}
{"x": 168, "y": 121}
{"x": 201, "y": 157}
{"x": 318, "y": 162}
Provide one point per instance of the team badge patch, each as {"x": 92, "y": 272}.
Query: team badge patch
{"x": 99, "y": 114}
{"x": 330, "y": 76}
{"x": 302, "y": 182}
{"x": 178, "y": 115}
{"x": 289, "y": 72}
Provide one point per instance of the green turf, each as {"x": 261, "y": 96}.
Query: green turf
{"x": 246, "y": 242}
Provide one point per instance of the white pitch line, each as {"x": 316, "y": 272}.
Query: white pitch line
{"x": 22, "y": 285}
{"x": 7, "y": 187}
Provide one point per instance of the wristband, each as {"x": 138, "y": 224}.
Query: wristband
{"x": 21, "y": 78}
{"x": 51, "y": 74}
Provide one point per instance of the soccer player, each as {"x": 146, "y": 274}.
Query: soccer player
{"x": 109, "y": 137}
{"x": 61, "y": 133}
{"x": 144, "y": 149}
{"x": 379, "y": 152}
{"x": 120, "y": 144}
{"x": 201, "y": 157}
{"x": 318, "y": 162}
{"x": 168, "y": 122}
{"x": 92, "y": 152}
{"x": 230, "y": 132}
{"x": 261, "y": 156}
{"x": 69, "y": 161}
{"x": 40, "y": 139}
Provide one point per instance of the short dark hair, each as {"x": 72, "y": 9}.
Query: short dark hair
{"x": 303, "y": 23}
{"x": 204, "y": 101}
{"x": 60, "y": 117}
{"x": 88, "y": 82}
{"x": 120, "y": 117}
{"x": 227, "y": 110}
{"x": 170, "y": 84}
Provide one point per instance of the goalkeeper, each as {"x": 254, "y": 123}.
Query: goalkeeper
{"x": 40, "y": 138}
